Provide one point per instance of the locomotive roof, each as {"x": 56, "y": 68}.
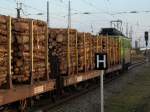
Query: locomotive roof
{"x": 110, "y": 31}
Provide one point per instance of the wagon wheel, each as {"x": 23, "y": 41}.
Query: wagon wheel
{"x": 23, "y": 105}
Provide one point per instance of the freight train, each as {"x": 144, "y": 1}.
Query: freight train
{"x": 36, "y": 59}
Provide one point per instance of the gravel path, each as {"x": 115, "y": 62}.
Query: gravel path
{"x": 91, "y": 101}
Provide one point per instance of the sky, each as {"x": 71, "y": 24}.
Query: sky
{"x": 101, "y": 13}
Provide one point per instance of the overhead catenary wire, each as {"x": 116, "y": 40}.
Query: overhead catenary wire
{"x": 90, "y": 4}
{"x": 96, "y": 8}
{"x": 36, "y": 9}
{"x": 66, "y": 5}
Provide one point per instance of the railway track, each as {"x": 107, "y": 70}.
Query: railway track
{"x": 136, "y": 64}
{"x": 64, "y": 99}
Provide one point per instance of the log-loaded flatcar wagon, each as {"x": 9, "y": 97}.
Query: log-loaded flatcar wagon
{"x": 36, "y": 59}
{"x": 24, "y": 67}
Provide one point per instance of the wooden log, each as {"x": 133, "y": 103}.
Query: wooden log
{"x": 3, "y": 19}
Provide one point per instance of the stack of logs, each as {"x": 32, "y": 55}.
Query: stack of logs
{"x": 118, "y": 51}
{"x": 29, "y": 38}
{"x": 63, "y": 44}
{"x": 94, "y": 49}
{"x": 99, "y": 46}
{"x": 81, "y": 52}
{"x": 85, "y": 52}
{"x": 88, "y": 50}
{"x": 3, "y": 49}
{"x": 111, "y": 46}
{"x": 75, "y": 50}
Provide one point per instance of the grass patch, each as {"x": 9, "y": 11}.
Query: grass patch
{"x": 133, "y": 97}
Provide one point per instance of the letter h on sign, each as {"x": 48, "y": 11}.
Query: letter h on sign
{"x": 100, "y": 61}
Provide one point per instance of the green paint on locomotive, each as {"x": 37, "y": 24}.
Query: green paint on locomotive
{"x": 125, "y": 49}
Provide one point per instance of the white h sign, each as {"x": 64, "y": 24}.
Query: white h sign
{"x": 101, "y": 61}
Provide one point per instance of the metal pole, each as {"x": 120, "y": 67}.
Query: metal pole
{"x": 69, "y": 15}
{"x": 48, "y": 21}
{"x": 102, "y": 90}
{"x": 19, "y": 8}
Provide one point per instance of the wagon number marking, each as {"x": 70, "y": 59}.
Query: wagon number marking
{"x": 38, "y": 89}
{"x": 79, "y": 79}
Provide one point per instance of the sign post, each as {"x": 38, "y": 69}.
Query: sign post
{"x": 146, "y": 41}
{"x": 102, "y": 90}
{"x": 101, "y": 64}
